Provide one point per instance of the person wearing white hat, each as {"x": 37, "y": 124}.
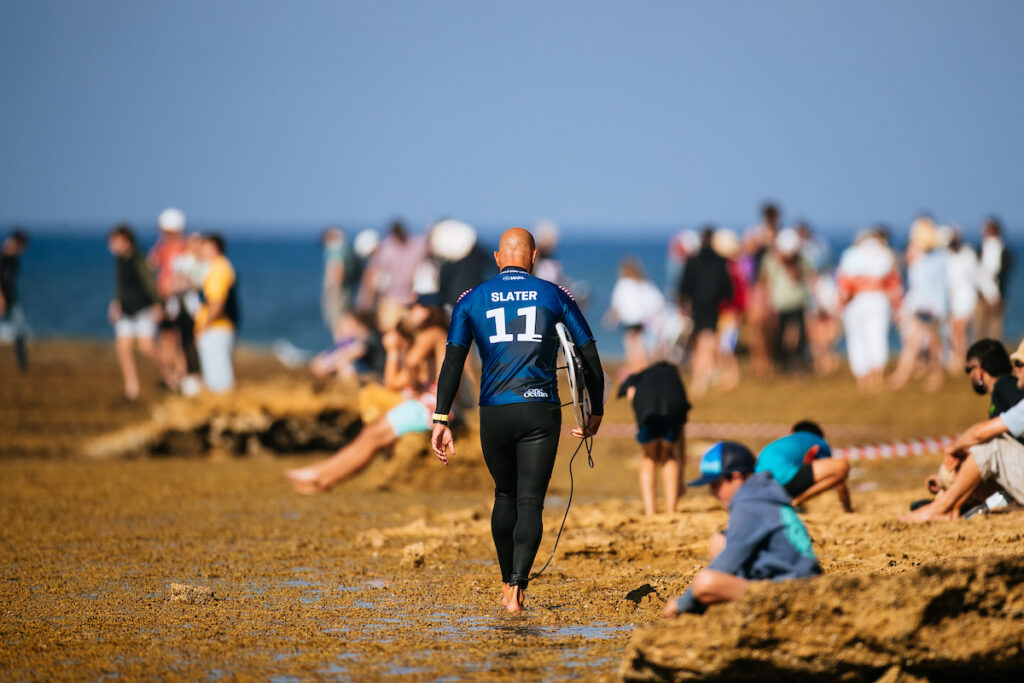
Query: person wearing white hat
{"x": 170, "y": 323}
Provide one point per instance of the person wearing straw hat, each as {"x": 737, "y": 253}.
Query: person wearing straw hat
{"x": 926, "y": 305}
{"x": 1017, "y": 359}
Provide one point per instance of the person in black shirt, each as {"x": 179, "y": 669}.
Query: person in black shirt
{"x": 660, "y": 404}
{"x": 133, "y": 310}
{"x": 10, "y": 307}
{"x": 705, "y": 286}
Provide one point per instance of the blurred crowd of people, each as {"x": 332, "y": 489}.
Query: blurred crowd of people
{"x": 777, "y": 293}
{"x": 178, "y": 306}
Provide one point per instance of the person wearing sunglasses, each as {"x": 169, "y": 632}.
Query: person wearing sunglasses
{"x": 988, "y": 452}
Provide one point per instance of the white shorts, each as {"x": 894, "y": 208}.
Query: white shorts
{"x": 138, "y": 326}
{"x": 866, "y": 322}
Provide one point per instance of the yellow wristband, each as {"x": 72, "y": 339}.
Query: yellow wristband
{"x": 438, "y": 417}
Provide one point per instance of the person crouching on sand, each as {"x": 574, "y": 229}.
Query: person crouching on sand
{"x": 802, "y": 462}
{"x": 660, "y": 405}
{"x": 765, "y": 539}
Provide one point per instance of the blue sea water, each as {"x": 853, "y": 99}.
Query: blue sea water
{"x": 67, "y": 281}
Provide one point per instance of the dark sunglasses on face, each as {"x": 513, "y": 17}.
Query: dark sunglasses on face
{"x": 969, "y": 369}
{"x": 1018, "y": 364}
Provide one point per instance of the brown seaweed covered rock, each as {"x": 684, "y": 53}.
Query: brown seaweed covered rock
{"x": 948, "y": 621}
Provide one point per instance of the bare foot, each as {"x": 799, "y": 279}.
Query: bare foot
{"x": 516, "y": 599}
{"x": 305, "y": 480}
{"x": 925, "y": 513}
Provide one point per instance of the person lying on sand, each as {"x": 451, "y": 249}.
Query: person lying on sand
{"x": 765, "y": 540}
{"x": 411, "y": 367}
{"x": 802, "y": 463}
{"x": 988, "y": 452}
{"x": 660, "y": 405}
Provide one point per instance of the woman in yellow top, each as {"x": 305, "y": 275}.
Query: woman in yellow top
{"x": 217, "y": 318}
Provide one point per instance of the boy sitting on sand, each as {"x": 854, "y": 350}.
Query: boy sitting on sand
{"x": 660, "y": 405}
{"x": 765, "y": 540}
{"x": 802, "y": 463}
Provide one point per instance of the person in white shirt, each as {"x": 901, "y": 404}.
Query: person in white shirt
{"x": 965, "y": 281}
{"x": 869, "y": 287}
{"x": 994, "y": 263}
{"x": 638, "y": 306}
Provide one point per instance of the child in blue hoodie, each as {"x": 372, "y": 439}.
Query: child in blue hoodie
{"x": 765, "y": 540}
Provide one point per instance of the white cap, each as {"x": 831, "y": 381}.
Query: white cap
{"x": 788, "y": 241}
{"x": 452, "y": 240}
{"x": 171, "y": 220}
{"x": 366, "y": 243}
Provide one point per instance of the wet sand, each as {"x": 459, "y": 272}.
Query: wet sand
{"x": 370, "y": 583}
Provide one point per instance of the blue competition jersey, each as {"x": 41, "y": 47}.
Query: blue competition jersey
{"x": 512, "y": 318}
{"x": 784, "y": 457}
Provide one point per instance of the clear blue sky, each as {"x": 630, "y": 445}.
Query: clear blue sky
{"x": 591, "y": 113}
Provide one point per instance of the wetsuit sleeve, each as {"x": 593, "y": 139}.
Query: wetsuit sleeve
{"x": 574, "y": 320}
{"x": 593, "y": 374}
{"x": 450, "y": 377}
{"x": 459, "y": 331}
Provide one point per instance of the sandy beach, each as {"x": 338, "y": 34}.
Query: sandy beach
{"x": 394, "y": 576}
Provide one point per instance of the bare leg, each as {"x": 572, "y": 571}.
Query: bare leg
{"x": 670, "y": 473}
{"x": 716, "y": 544}
{"x": 908, "y": 355}
{"x": 945, "y": 504}
{"x": 703, "y": 361}
{"x": 828, "y": 472}
{"x": 129, "y": 372}
{"x": 648, "y": 465}
{"x": 636, "y": 355}
{"x": 730, "y": 377}
{"x": 145, "y": 345}
{"x": 346, "y": 462}
{"x": 958, "y": 345}
{"x": 516, "y": 599}
{"x": 710, "y": 587}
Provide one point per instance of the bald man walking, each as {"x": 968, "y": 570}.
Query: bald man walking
{"x": 512, "y": 319}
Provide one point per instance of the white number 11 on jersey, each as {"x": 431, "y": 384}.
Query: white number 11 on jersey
{"x": 527, "y": 335}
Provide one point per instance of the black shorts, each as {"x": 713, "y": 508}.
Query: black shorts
{"x": 661, "y": 427}
{"x": 801, "y": 481}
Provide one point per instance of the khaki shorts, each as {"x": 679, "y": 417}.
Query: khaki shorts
{"x": 1002, "y": 459}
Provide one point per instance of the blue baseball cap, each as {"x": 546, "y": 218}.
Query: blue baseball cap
{"x": 721, "y": 459}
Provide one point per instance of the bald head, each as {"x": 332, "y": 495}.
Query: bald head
{"x": 516, "y": 248}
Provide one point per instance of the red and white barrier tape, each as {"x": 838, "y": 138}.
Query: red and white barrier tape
{"x": 737, "y": 430}
{"x": 894, "y": 449}
{"x": 732, "y": 430}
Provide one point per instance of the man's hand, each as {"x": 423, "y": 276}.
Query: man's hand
{"x": 114, "y": 311}
{"x": 592, "y": 426}
{"x": 671, "y": 612}
{"x": 442, "y": 441}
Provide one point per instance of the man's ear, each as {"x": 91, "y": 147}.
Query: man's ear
{"x": 497, "y": 261}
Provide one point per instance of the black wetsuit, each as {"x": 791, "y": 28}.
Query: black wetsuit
{"x": 512, "y": 319}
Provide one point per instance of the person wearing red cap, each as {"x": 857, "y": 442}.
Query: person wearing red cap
{"x": 765, "y": 539}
